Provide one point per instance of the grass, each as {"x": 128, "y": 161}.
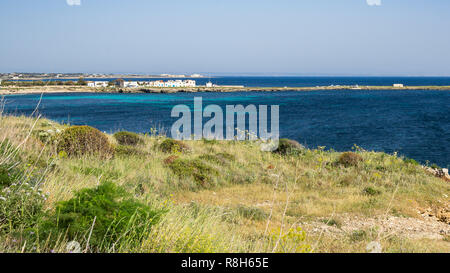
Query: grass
{"x": 221, "y": 196}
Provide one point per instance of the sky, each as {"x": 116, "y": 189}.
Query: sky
{"x": 267, "y": 37}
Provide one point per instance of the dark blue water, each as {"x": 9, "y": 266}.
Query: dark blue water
{"x": 413, "y": 123}
{"x": 326, "y": 81}
{"x": 312, "y": 81}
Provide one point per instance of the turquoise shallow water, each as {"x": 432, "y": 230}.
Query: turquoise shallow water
{"x": 413, "y": 123}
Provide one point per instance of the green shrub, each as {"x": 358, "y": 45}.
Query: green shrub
{"x": 21, "y": 202}
{"x": 371, "y": 191}
{"x": 348, "y": 159}
{"x": 6, "y": 176}
{"x": 288, "y": 147}
{"x": 84, "y": 140}
{"x": 411, "y": 161}
{"x": 123, "y": 150}
{"x": 290, "y": 241}
{"x": 118, "y": 217}
{"x": 170, "y": 145}
{"x": 332, "y": 222}
{"x": 202, "y": 173}
{"x": 128, "y": 138}
{"x": 434, "y": 166}
{"x": 252, "y": 213}
{"x": 21, "y": 206}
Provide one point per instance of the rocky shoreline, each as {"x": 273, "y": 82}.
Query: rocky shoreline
{"x": 77, "y": 89}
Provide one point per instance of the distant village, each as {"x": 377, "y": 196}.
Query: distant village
{"x": 44, "y": 76}
{"x": 158, "y": 83}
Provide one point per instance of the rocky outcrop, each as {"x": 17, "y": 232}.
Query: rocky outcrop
{"x": 440, "y": 173}
{"x": 441, "y": 214}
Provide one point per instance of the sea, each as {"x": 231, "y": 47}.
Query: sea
{"x": 414, "y": 124}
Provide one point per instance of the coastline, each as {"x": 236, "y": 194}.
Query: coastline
{"x": 85, "y": 89}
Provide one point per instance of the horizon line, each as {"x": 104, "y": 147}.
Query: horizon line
{"x": 237, "y": 74}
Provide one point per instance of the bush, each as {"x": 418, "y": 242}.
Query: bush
{"x": 122, "y": 150}
{"x": 21, "y": 206}
{"x": 21, "y": 202}
{"x": 118, "y": 217}
{"x": 288, "y": 147}
{"x": 202, "y": 173}
{"x": 411, "y": 161}
{"x": 6, "y": 176}
{"x": 371, "y": 191}
{"x": 84, "y": 140}
{"x": 128, "y": 138}
{"x": 350, "y": 159}
{"x": 332, "y": 222}
{"x": 170, "y": 145}
{"x": 169, "y": 160}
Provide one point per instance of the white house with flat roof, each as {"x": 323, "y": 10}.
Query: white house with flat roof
{"x": 158, "y": 84}
{"x": 190, "y": 83}
{"x": 97, "y": 84}
{"x": 131, "y": 84}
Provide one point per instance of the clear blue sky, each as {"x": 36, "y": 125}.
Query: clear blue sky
{"x": 305, "y": 37}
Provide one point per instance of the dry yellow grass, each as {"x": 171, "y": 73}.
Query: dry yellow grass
{"x": 285, "y": 192}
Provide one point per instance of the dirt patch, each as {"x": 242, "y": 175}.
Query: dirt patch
{"x": 425, "y": 227}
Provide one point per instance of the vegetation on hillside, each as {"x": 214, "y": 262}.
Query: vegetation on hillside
{"x": 63, "y": 186}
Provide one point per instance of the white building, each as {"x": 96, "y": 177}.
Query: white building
{"x": 189, "y": 83}
{"x": 209, "y": 84}
{"x": 398, "y": 85}
{"x": 158, "y": 84}
{"x": 97, "y": 84}
{"x": 177, "y": 83}
{"x": 131, "y": 84}
{"x": 172, "y": 83}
